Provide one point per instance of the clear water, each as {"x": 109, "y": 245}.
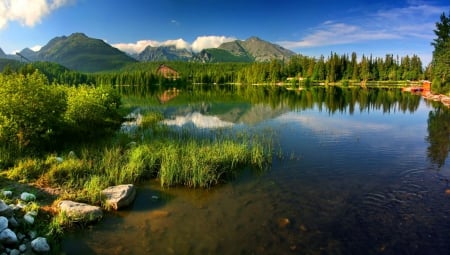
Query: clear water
{"x": 356, "y": 175}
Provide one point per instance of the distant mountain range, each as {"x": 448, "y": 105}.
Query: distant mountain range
{"x": 82, "y": 53}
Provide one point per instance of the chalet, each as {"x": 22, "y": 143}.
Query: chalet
{"x": 167, "y": 72}
{"x": 426, "y": 85}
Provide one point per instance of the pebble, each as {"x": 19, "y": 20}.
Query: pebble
{"x": 14, "y": 252}
{"x": 7, "y": 193}
{"x": 27, "y": 197}
{"x": 28, "y": 218}
{"x": 22, "y": 247}
{"x": 283, "y": 222}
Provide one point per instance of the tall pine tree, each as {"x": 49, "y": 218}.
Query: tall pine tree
{"x": 441, "y": 56}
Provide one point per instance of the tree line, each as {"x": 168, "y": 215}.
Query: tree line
{"x": 334, "y": 68}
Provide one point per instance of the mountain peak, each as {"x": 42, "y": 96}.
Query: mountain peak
{"x": 254, "y": 38}
{"x": 82, "y": 53}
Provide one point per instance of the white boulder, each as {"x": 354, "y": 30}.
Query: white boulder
{"x": 8, "y": 237}
{"x": 27, "y": 197}
{"x": 80, "y": 211}
{"x": 119, "y": 196}
{"x": 40, "y": 245}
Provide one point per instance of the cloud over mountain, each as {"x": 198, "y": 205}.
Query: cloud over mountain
{"x": 212, "y": 41}
{"x": 28, "y": 12}
{"x": 202, "y": 42}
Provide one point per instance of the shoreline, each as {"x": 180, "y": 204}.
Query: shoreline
{"x": 444, "y": 99}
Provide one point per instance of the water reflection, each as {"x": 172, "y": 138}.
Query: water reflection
{"x": 251, "y": 105}
{"x": 438, "y": 134}
{"x": 358, "y": 180}
{"x": 198, "y": 120}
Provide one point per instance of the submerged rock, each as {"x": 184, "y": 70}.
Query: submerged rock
{"x": 80, "y": 212}
{"x": 119, "y": 196}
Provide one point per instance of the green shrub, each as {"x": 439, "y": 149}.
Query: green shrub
{"x": 27, "y": 170}
{"x": 91, "y": 110}
{"x": 30, "y": 110}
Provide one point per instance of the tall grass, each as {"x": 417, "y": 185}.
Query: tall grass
{"x": 175, "y": 157}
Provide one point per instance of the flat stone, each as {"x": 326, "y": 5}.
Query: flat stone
{"x": 5, "y": 210}
{"x": 8, "y": 237}
{"x": 40, "y": 245}
{"x": 119, "y": 196}
{"x": 80, "y": 211}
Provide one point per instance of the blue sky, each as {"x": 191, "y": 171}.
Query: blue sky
{"x": 308, "y": 27}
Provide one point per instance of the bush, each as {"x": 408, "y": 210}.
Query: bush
{"x": 91, "y": 110}
{"x": 30, "y": 110}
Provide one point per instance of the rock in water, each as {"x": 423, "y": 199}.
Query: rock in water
{"x": 80, "y": 212}
{"x": 8, "y": 237}
{"x": 119, "y": 196}
{"x": 40, "y": 245}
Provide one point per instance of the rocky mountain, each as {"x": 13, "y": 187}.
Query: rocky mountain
{"x": 219, "y": 55}
{"x": 29, "y": 54}
{"x": 164, "y": 53}
{"x": 2, "y": 53}
{"x": 252, "y": 49}
{"x": 257, "y": 49}
{"x": 81, "y": 53}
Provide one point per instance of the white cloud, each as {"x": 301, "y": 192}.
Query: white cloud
{"x": 414, "y": 21}
{"x": 140, "y": 45}
{"x": 27, "y": 12}
{"x": 179, "y": 43}
{"x": 212, "y": 41}
{"x": 36, "y": 48}
{"x": 331, "y": 33}
{"x": 202, "y": 42}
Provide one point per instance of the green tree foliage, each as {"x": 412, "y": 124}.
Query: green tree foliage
{"x": 91, "y": 110}
{"x": 441, "y": 56}
{"x": 36, "y": 115}
{"x": 30, "y": 110}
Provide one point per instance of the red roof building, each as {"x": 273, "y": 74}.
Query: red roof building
{"x": 167, "y": 72}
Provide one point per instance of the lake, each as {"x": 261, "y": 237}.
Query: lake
{"x": 358, "y": 171}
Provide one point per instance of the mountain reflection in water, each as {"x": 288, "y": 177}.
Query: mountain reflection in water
{"x": 361, "y": 171}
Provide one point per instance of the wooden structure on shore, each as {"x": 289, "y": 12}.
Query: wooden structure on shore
{"x": 425, "y": 88}
{"x": 167, "y": 72}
